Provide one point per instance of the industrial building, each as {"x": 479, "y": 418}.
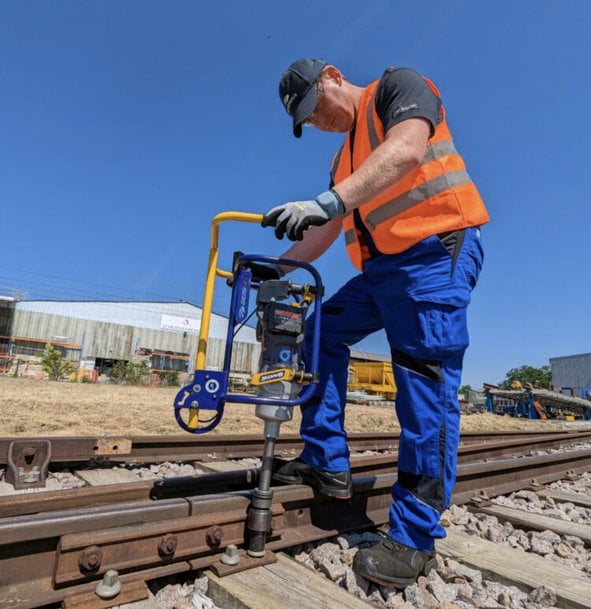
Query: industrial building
{"x": 94, "y": 335}
{"x": 572, "y": 373}
{"x": 569, "y": 397}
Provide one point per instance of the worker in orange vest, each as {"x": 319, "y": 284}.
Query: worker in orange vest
{"x": 411, "y": 219}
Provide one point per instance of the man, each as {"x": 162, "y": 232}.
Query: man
{"x": 411, "y": 216}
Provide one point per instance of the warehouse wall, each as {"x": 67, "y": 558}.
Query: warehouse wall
{"x": 118, "y": 331}
{"x": 572, "y": 371}
{"x": 99, "y": 339}
{"x": 138, "y": 314}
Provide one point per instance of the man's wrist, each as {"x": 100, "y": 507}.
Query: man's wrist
{"x": 331, "y": 203}
{"x": 341, "y": 203}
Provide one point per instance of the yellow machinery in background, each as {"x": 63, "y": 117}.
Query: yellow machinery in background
{"x": 375, "y": 378}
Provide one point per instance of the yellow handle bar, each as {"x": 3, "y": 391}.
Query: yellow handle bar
{"x": 212, "y": 272}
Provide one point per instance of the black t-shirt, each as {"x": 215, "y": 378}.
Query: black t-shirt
{"x": 402, "y": 94}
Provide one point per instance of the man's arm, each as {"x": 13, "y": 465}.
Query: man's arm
{"x": 317, "y": 239}
{"x": 401, "y": 151}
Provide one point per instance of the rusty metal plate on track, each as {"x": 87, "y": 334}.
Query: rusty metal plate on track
{"x": 130, "y": 592}
{"x": 83, "y": 556}
{"x": 73, "y": 449}
{"x": 112, "y": 446}
{"x": 245, "y": 562}
{"x": 26, "y": 590}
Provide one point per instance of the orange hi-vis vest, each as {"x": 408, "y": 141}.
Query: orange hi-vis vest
{"x": 436, "y": 197}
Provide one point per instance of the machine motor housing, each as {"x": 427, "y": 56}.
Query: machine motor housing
{"x": 280, "y": 330}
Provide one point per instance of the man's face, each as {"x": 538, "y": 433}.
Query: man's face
{"x": 332, "y": 112}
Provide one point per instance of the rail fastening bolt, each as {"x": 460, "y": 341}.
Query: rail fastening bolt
{"x": 230, "y": 555}
{"x": 34, "y": 475}
{"x": 214, "y": 536}
{"x": 167, "y": 545}
{"x": 110, "y": 586}
{"x": 90, "y": 559}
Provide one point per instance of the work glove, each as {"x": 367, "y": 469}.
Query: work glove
{"x": 262, "y": 271}
{"x": 294, "y": 218}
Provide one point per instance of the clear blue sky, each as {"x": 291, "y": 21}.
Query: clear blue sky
{"x": 125, "y": 126}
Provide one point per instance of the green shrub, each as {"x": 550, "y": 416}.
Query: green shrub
{"x": 169, "y": 378}
{"x": 53, "y": 363}
{"x": 129, "y": 373}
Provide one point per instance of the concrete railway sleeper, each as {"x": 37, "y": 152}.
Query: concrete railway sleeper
{"x": 63, "y": 555}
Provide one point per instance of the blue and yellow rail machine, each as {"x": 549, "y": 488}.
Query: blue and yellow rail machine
{"x": 281, "y": 382}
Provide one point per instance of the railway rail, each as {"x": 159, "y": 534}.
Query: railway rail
{"x": 133, "y": 449}
{"x": 57, "y": 546}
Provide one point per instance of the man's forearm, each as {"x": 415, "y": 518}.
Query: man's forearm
{"x": 402, "y": 151}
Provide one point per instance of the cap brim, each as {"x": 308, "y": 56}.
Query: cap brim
{"x": 304, "y": 110}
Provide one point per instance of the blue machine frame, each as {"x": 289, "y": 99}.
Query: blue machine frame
{"x": 208, "y": 389}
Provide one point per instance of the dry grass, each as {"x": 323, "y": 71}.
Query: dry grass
{"x": 47, "y": 408}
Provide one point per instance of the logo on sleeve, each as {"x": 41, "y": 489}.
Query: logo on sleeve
{"x": 406, "y": 109}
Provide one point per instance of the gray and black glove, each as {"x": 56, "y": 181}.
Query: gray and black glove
{"x": 294, "y": 218}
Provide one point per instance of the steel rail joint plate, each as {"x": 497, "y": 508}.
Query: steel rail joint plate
{"x": 139, "y": 546}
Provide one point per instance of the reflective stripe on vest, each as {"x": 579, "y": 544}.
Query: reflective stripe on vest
{"x": 417, "y": 195}
{"x": 422, "y": 192}
{"x": 440, "y": 188}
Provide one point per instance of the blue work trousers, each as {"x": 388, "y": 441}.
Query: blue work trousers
{"x": 420, "y": 298}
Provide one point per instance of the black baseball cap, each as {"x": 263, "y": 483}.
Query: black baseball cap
{"x": 297, "y": 90}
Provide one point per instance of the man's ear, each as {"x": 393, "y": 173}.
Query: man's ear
{"x": 334, "y": 74}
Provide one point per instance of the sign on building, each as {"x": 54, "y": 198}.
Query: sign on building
{"x": 184, "y": 324}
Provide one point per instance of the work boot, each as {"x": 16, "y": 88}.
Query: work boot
{"x": 393, "y": 565}
{"x": 331, "y": 484}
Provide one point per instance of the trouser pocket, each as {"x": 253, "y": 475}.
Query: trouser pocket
{"x": 443, "y": 327}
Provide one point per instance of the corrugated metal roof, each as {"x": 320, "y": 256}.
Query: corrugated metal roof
{"x": 580, "y": 355}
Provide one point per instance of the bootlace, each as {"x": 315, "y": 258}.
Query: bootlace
{"x": 393, "y": 546}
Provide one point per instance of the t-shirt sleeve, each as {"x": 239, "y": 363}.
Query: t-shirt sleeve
{"x": 402, "y": 94}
